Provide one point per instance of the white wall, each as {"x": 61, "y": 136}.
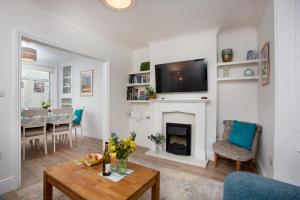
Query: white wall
{"x": 237, "y": 99}
{"x": 15, "y": 15}
{"x": 266, "y": 94}
{"x": 189, "y": 47}
{"x": 141, "y": 126}
{"x": 287, "y": 91}
{"x": 140, "y": 55}
{"x": 93, "y": 105}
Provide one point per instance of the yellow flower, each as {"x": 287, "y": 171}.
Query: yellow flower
{"x": 112, "y": 148}
{"x": 114, "y": 155}
{"x": 132, "y": 144}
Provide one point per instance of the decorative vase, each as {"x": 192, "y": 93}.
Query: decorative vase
{"x": 251, "y": 55}
{"x": 227, "y": 55}
{"x": 157, "y": 148}
{"x": 226, "y": 71}
{"x": 122, "y": 166}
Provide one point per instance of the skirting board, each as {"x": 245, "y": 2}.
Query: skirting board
{"x": 260, "y": 169}
{"x": 91, "y": 135}
{"x": 8, "y": 184}
{"x": 185, "y": 159}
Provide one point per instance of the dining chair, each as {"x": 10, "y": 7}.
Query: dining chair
{"x": 34, "y": 127}
{"x": 77, "y": 121}
{"x": 60, "y": 125}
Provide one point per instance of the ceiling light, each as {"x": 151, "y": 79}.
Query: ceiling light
{"x": 119, "y": 5}
{"x": 28, "y": 54}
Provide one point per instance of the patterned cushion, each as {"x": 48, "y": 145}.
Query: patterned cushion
{"x": 29, "y": 132}
{"x": 227, "y": 128}
{"x": 58, "y": 128}
{"x": 232, "y": 151}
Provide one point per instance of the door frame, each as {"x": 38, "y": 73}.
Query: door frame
{"x": 19, "y": 34}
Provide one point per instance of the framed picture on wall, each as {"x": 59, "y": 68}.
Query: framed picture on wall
{"x": 265, "y": 64}
{"x": 38, "y": 86}
{"x": 86, "y": 83}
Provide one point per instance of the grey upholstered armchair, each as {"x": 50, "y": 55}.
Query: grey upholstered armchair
{"x": 233, "y": 152}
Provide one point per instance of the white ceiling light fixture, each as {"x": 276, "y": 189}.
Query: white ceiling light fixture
{"x": 119, "y": 5}
{"x": 28, "y": 54}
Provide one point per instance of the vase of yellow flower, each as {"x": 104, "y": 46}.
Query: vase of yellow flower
{"x": 122, "y": 166}
{"x": 121, "y": 149}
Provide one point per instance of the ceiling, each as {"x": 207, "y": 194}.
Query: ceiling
{"x": 152, "y": 20}
{"x": 49, "y": 55}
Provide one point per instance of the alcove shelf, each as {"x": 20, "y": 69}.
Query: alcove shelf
{"x": 138, "y": 101}
{"x": 136, "y": 87}
{"x": 241, "y": 62}
{"x": 236, "y": 70}
{"x": 255, "y": 78}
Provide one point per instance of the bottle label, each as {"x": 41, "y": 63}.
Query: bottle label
{"x": 107, "y": 168}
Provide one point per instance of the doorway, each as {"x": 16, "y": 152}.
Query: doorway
{"x": 43, "y": 82}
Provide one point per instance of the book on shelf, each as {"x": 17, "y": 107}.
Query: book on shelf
{"x": 136, "y": 94}
{"x": 139, "y": 78}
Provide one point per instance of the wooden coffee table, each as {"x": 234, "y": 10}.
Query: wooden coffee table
{"x": 81, "y": 182}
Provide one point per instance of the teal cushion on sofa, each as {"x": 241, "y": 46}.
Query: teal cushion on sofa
{"x": 242, "y": 134}
{"x": 77, "y": 116}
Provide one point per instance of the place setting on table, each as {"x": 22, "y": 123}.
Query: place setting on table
{"x": 107, "y": 176}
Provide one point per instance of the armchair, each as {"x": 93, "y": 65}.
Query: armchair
{"x": 233, "y": 152}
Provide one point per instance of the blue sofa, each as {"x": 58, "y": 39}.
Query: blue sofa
{"x": 247, "y": 186}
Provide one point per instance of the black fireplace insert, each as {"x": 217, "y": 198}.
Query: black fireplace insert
{"x": 178, "y": 140}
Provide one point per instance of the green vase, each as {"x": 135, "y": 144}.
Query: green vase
{"x": 122, "y": 166}
{"x": 227, "y": 55}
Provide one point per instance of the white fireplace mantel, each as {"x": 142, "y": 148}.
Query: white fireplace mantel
{"x": 181, "y": 100}
{"x": 194, "y": 107}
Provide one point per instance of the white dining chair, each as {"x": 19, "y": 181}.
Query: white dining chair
{"x": 60, "y": 125}
{"x": 34, "y": 127}
{"x": 78, "y": 123}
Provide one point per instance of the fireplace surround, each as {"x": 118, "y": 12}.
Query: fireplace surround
{"x": 196, "y": 108}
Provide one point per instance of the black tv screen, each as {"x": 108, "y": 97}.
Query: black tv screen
{"x": 186, "y": 76}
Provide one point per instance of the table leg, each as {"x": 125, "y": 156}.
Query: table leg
{"x": 47, "y": 189}
{"x": 156, "y": 187}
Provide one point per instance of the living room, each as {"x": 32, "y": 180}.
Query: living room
{"x": 245, "y": 52}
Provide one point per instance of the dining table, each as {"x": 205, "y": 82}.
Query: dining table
{"x": 51, "y": 119}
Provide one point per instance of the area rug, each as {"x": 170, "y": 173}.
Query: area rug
{"x": 173, "y": 185}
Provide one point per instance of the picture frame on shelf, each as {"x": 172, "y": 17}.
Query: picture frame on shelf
{"x": 145, "y": 66}
{"x": 265, "y": 64}
{"x": 145, "y": 79}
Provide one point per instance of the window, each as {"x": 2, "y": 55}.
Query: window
{"x": 35, "y": 88}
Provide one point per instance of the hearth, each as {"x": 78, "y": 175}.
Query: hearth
{"x": 178, "y": 139}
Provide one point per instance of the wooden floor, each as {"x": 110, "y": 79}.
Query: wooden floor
{"x": 36, "y": 162}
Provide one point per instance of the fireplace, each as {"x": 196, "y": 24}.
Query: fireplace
{"x": 178, "y": 139}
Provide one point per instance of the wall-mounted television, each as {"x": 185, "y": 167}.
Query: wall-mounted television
{"x": 185, "y": 76}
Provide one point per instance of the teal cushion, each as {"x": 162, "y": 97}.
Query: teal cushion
{"x": 77, "y": 116}
{"x": 242, "y": 134}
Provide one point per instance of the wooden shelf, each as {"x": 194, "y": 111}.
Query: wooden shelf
{"x": 141, "y": 72}
{"x": 138, "y": 101}
{"x": 238, "y": 78}
{"x": 138, "y": 84}
{"x": 242, "y": 62}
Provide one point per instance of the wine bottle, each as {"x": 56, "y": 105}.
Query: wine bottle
{"x": 106, "y": 167}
